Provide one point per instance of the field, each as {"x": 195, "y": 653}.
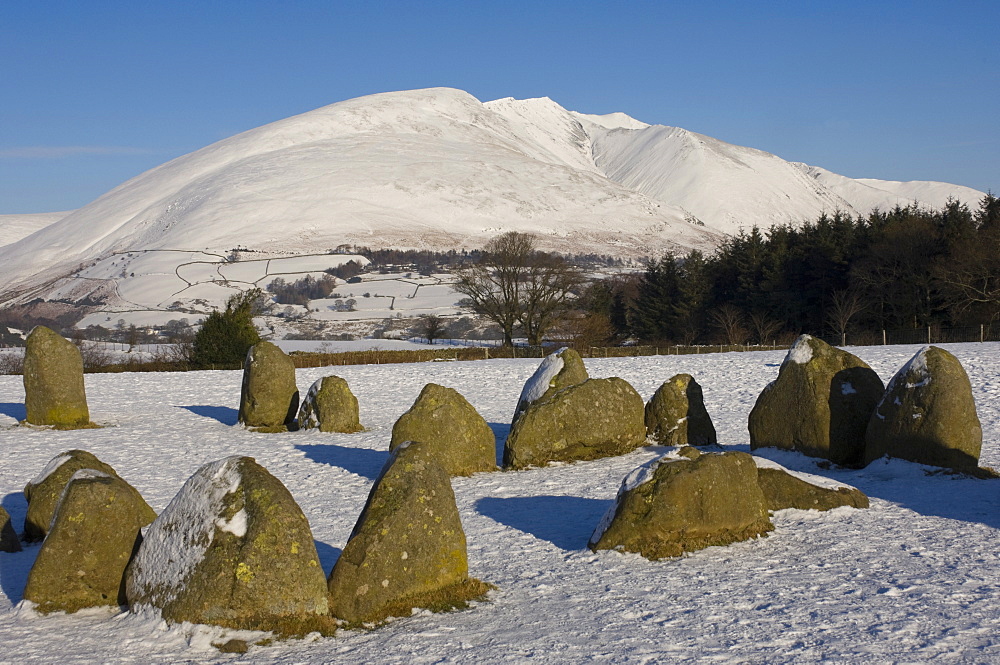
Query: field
{"x": 915, "y": 578}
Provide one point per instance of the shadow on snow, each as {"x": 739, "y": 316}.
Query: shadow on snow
{"x": 360, "y": 461}
{"x": 14, "y": 566}
{"x": 224, "y": 414}
{"x": 565, "y": 521}
{"x": 500, "y": 432}
{"x": 15, "y": 410}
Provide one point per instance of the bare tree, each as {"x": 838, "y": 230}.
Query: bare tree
{"x": 763, "y": 326}
{"x": 728, "y": 319}
{"x": 844, "y": 306}
{"x": 430, "y": 326}
{"x": 515, "y": 284}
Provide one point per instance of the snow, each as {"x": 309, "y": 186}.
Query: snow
{"x": 542, "y": 379}
{"x": 15, "y": 227}
{"x": 429, "y": 169}
{"x": 49, "y": 469}
{"x": 800, "y": 353}
{"x": 176, "y": 542}
{"x": 811, "y": 478}
{"x": 912, "y": 579}
{"x": 917, "y": 367}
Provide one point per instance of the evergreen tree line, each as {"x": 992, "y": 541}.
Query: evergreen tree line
{"x": 905, "y": 268}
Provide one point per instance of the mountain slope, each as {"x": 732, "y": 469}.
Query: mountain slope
{"x": 435, "y": 169}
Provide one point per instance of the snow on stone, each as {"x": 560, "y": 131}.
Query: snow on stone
{"x": 800, "y": 353}
{"x": 812, "y": 479}
{"x": 542, "y": 379}
{"x": 847, "y": 388}
{"x": 918, "y": 368}
{"x": 50, "y": 468}
{"x": 176, "y": 541}
{"x": 236, "y": 525}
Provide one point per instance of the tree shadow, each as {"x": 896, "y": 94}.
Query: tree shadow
{"x": 565, "y": 521}
{"x": 224, "y": 414}
{"x": 500, "y": 432}
{"x": 360, "y": 461}
{"x": 15, "y": 566}
{"x": 15, "y": 410}
{"x": 328, "y": 556}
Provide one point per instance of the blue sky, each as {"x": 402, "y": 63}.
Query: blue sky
{"x": 93, "y": 93}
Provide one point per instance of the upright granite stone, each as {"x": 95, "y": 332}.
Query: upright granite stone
{"x": 408, "y": 547}
{"x": 53, "y": 381}
{"x": 454, "y": 432}
{"x": 269, "y": 399}
{"x": 94, "y": 534}
{"x": 558, "y": 370}
{"x": 684, "y": 503}
{"x": 46, "y": 489}
{"x": 232, "y": 549}
{"x": 819, "y": 405}
{"x": 331, "y": 406}
{"x": 787, "y": 489}
{"x": 589, "y": 420}
{"x": 928, "y": 414}
{"x": 8, "y": 537}
{"x": 676, "y": 414}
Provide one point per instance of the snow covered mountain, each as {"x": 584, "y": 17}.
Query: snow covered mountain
{"x": 436, "y": 169}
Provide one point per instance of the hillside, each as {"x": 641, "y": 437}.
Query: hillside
{"x": 433, "y": 169}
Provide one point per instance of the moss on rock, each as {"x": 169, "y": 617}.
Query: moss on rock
{"x": 45, "y": 490}
{"x": 452, "y": 429}
{"x": 331, "y": 406}
{"x": 94, "y": 535}
{"x": 589, "y": 420}
{"x": 408, "y": 548}
{"x": 927, "y": 415}
{"x": 269, "y": 399}
{"x": 679, "y": 504}
{"x": 676, "y": 414}
{"x": 54, "y": 394}
{"x": 232, "y": 549}
{"x": 8, "y": 537}
{"x": 819, "y": 405}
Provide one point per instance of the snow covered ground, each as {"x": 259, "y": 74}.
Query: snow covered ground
{"x": 916, "y": 578}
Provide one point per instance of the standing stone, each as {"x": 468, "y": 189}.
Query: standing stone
{"x": 558, "y": 370}
{"x": 94, "y": 534}
{"x": 819, "y": 405}
{"x": 928, "y": 414}
{"x": 788, "y": 489}
{"x": 331, "y": 406}
{"x": 676, "y": 414}
{"x": 453, "y": 430}
{"x": 53, "y": 381}
{"x": 589, "y": 420}
{"x": 232, "y": 549}
{"x": 46, "y": 489}
{"x": 8, "y": 537}
{"x": 408, "y": 548}
{"x": 680, "y": 504}
{"x": 269, "y": 399}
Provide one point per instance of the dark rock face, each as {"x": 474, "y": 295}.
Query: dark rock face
{"x": 675, "y": 505}
{"x": 331, "y": 406}
{"x": 53, "y": 381}
{"x": 8, "y": 537}
{"x": 232, "y": 549}
{"x": 94, "y": 535}
{"x": 269, "y": 399}
{"x": 408, "y": 548}
{"x": 927, "y": 415}
{"x": 819, "y": 405}
{"x": 676, "y": 414}
{"x": 589, "y": 420}
{"x": 558, "y": 370}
